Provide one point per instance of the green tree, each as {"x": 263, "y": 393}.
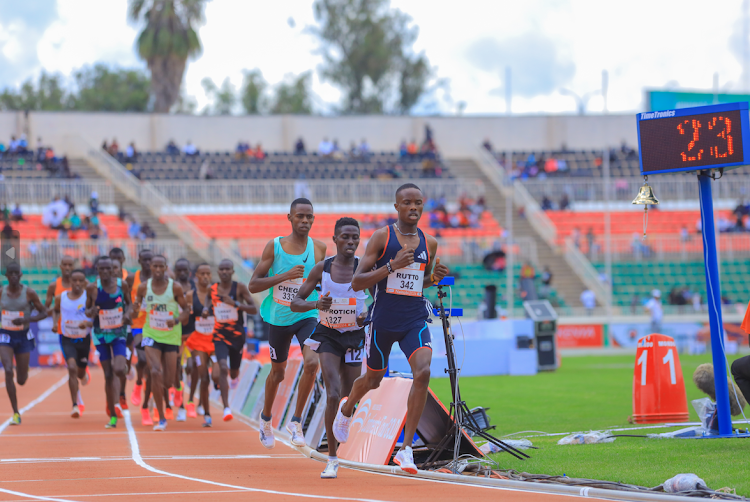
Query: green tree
{"x": 251, "y": 94}
{"x": 169, "y": 37}
{"x": 224, "y": 97}
{"x": 293, "y": 95}
{"x": 366, "y": 49}
{"x": 47, "y": 94}
{"x": 100, "y": 88}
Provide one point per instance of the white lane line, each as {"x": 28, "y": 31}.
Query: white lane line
{"x": 156, "y": 457}
{"x": 34, "y": 497}
{"x": 155, "y": 493}
{"x": 32, "y": 373}
{"x": 55, "y": 480}
{"x": 114, "y": 433}
{"x": 36, "y": 401}
{"x": 135, "y": 449}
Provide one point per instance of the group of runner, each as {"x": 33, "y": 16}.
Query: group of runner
{"x": 321, "y": 302}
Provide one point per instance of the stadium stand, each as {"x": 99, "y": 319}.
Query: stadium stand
{"x": 31, "y": 165}
{"x": 33, "y": 229}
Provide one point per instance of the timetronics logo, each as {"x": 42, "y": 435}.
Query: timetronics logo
{"x": 657, "y": 115}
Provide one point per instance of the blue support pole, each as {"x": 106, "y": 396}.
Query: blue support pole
{"x": 713, "y": 288}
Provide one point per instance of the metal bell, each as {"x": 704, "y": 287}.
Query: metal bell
{"x": 646, "y": 196}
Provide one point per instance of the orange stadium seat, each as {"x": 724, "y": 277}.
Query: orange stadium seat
{"x": 32, "y": 229}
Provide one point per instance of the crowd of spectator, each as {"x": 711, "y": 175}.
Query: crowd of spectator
{"x": 43, "y": 157}
{"x": 245, "y": 151}
{"x": 61, "y": 214}
{"x": 467, "y": 214}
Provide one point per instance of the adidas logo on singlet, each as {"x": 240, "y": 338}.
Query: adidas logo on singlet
{"x": 422, "y": 255}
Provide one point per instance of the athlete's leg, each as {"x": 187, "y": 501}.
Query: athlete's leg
{"x": 22, "y": 367}
{"x": 311, "y": 363}
{"x": 330, "y": 366}
{"x": 196, "y": 371}
{"x": 272, "y": 385}
{"x": 119, "y": 369}
{"x": 154, "y": 356}
{"x": 73, "y": 372}
{"x": 362, "y": 385}
{"x": 6, "y": 356}
{"x": 109, "y": 386}
{"x": 420, "y": 369}
{"x": 223, "y": 382}
{"x": 200, "y": 370}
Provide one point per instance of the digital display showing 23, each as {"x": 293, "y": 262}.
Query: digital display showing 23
{"x": 691, "y": 141}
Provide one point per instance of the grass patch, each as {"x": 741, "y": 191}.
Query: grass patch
{"x": 595, "y": 393}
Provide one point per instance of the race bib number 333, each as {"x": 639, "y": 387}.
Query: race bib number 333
{"x": 406, "y": 281}
{"x": 284, "y": 293}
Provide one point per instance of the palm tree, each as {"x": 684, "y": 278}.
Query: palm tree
{"x": 168, "y": 39}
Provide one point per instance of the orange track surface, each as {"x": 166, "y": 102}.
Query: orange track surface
{"x": 54, "y": 457}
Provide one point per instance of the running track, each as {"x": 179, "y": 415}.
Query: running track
{"x": 56, "y": 458}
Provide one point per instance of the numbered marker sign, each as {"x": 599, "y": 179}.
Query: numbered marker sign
{"x": 658, "y": 387}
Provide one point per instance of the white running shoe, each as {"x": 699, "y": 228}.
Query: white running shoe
{"x": 298, "y": 436}
{"x": 331, "y": 470}
{"x": 266, "y": 434}
{"x": 341, "y": 424}
{"x": 405, "y": 458}
{"x": 228, "y": 414}
{"x": 161, "y": 426}
{"x": 234, "y": 382}
{"x": 76, "y": 412}
{"x": 200, "y": 410}
{"x": 131, "y": 373}
{"x": 181, "y": 415}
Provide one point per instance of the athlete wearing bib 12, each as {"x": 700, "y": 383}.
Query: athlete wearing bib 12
{"x": 200, "y": 343}
{"x": 339, "y": 337}
{"x": 162, "y": 330}
{"x": 108, "y": 303}
{"x": 144, "y": 259}
{"x": 75, "y": 335}
{"x": 285, "y": 264}
{"x": 16, "y": 303}
{"x": 398, "y": 261}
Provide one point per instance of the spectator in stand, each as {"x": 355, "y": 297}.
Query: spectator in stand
{"x": 336, "y": 152}
{"x": 547, "y": 276}
{"x": 487, "y": 145}
{"x": 259, "y": 153}
{"x": 17, "y": 214}
{"x": 105, "y": 146}
{"x": 134, "y": 230}
{"x": 364, "y": 149}
{"x": 190, "y": 150}
{"x": 546, "y": 204}
{"x": 325, "y": 148}
{"x": 240, "y": 153}
{"x": 528, "y": 289}
{"x": 590, "y": 242}
{"x": 5, "y": 212}
{"x": 564, "y": 202}
{"x": 7, "y": 232}
{"x": 684, "y": 234}
{"x": 13, "y": 145}
{"x": 41, "y": 151}
{"x": 130, "y": 152}
{"x": 403, "y": 149}
{"x": 576, "y": 236}
{"x": 172, "y": 148}
{"x": 299, "y": 147}
{"x": 114, "y": 148}
{"x": 412, "y": 149}
{"x": 654, "y": 308}
{"x": 23, "y": 145}
{"x": 588, "y": 299}
{"x": 94, "y": 202}
{"x": 147, "y": 232}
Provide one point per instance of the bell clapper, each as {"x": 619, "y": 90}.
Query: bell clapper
{"x": 646, "y": 198}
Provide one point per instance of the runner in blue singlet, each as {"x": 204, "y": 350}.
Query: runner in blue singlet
{"x": 399, "y": 262}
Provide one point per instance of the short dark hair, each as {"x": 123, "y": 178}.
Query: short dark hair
{"x": 101, "y": 258}
{"x": 343, "y": 222}
{"x": 226, "y": 260}
{"x": 78, "y": 271}
{"x": 406, "y": 186}
{"x": 144, "y": 251}
{"x": 160, "y": 256}
{"x": 116, "y": 251}
{"x": 181, "y": 260}
{"x": 204, "y": 264}
{"x": 298, "y": 201}
{"x": 13, "y": 265}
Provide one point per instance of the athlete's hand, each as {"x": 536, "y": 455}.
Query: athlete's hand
{"x": 54, "y": 328}
{"x": 324, "y": 302}
{"x": 440, "y": 271}
{"x": 20, "y": 322}
{"x": 170, "y": 323}
{"x": 361, "y": 318}
{"x": 297, "y": 272}
{"x": 404, "y": 258}
{"x": 226, "y": 299}
{"x": 204, "y": 313}
{"x": 83, "y": 325}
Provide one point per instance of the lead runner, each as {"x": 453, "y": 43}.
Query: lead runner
{"x": 398, "y": 262}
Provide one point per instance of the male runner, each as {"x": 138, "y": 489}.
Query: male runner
{"x": 75, "y": 335}
{"x": 16, "y": 303}
{"x": 285, "y": 264}
{"x": 59, "y": 285}
{"x": 162, "y": 331}
{"x": 108, "y": 303}
{"x": 117, "y": 256}
{"x": 228, "y": 299}
{"x": 399, "y": 262}
{"x": 133, "y": 281}
{"x": 339, "y": 336}
{"x": 182, "y": 276}
{"x": 200, "y": 342}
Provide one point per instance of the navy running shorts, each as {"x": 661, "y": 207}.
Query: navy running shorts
{"x": 108, "y": 351}
{"x": 21, "y": 342}
{"x": 379, "y": 342}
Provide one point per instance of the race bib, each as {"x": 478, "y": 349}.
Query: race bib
{"x": 147, "y": 342}
{"x": 157, "y": 319}
{"x": 72, "y": 329}
{"x": 225, "y": 313}
{"x": 353, "y": 355}
{"x": 284, "y": 293}
{"x": 7, "y": 320}
{"x": 110, "y": 318}
{"x": 342, "y": 314}
{"x": 406, "y": 281}
{"x": 205, "y": 326}
{"x": 4, "y": 338}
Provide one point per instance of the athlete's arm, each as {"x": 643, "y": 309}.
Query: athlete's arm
{"x": 50, "y": 294}
{"x": 320, "y": 250}
{"x": 259, "y": 282}
{"x": 91, "y": 309}
{"x": 300, "y": 303}
{"x": 128, "y": 304}
{"x": 435, "y": 271}
{"x": 136, "y": 307}
{"x": 130, "y": 280}
{"x": 56, "y": 310}
{"x": 246, "y": 303}
{"x": 179, "y": 295}
{"x": 35, "y": 302}
{"x": 365, "y": 277}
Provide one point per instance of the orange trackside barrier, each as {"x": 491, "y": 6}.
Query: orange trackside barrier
{"x": 658, "y": 387}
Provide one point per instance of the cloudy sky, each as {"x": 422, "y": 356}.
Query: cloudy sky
{"x": 548, "y": 44}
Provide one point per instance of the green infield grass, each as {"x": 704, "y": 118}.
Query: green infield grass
{"x": 595, "y": 393}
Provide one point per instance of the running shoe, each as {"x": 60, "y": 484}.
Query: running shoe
{"x": 168, "y": 414}
{"x": 146, "y": 417}
{"x": 161, "y": 426}
{"x": 123, "y": 402}
{"x": 87, "y": 377}
{"x": 112, "y": 424}
{"x": 132, "y": 373}
{"x": 16, "y": 420}
{"x": 81, "y": 406}
{"x": 181, "y": 415}
{"x": 341, "y": 424}
{"x": 190, "y": 408}
{"x": 171, "y": 396}
{"x": 156, "y": 414}
{"x": 228, "y": 415}
{"x": 207, "y": 421}
{"x": 266, "y": 434}
{"x": 200, "y": 410}
{"x": 331, "y": 470}
{"x": 405, "y": 458}
{"x": 298, "y": 437}
{"x": 234, "y": 382}
{"x": 135, "y": 396}
{"x": 118, "y": 410}
{"x": 178, "y": 396}
{"x": 76, "y": 412}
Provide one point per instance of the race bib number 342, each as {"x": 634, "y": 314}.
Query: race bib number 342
{"x": 284, "y": 293}
{"x": 406, "y": 281}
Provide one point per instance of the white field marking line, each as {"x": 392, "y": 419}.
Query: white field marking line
{"x": 155, "y": 457}
{"x": 156, "y": 493}
{"x": 113, "y": 433}
{"x": 36, "y": 401}
{"x": 135, "y": 448}
{"x": 78, "y": 479}
{"x": 34, "y": 497}
{"x": 33, "y": 372}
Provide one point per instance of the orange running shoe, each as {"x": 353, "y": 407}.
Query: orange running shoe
{"x": 156, "y": 415}
{"x": 178, "y": 396}
{"x": 118, "y": 411}
{"x": 190, "y": 408}
{"x": 135, "y": 397}
{"x": 168, "y": 414}
{"x": 171, "y": 396}
{"x": 146, "y": 417}
{"x": 123, "y": 402}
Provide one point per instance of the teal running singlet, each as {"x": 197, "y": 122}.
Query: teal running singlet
{"x": 275, "y": 307}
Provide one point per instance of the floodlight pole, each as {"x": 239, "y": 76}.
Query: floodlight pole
{"x": 713, "y": 290}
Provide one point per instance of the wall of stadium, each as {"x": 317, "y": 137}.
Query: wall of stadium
{"x": 455, "y": 135}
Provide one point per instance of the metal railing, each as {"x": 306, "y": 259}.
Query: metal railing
{"x": 319, "y": 191}
{"x": 666, "y": 247}
{"x": 48, "y": 253}
{"x": 588, "y": 274}
{"x": 41, "y": 192}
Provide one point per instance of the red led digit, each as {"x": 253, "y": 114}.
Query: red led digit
{"x": 724, "y": 134}
{"x": 696, "y": 125}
